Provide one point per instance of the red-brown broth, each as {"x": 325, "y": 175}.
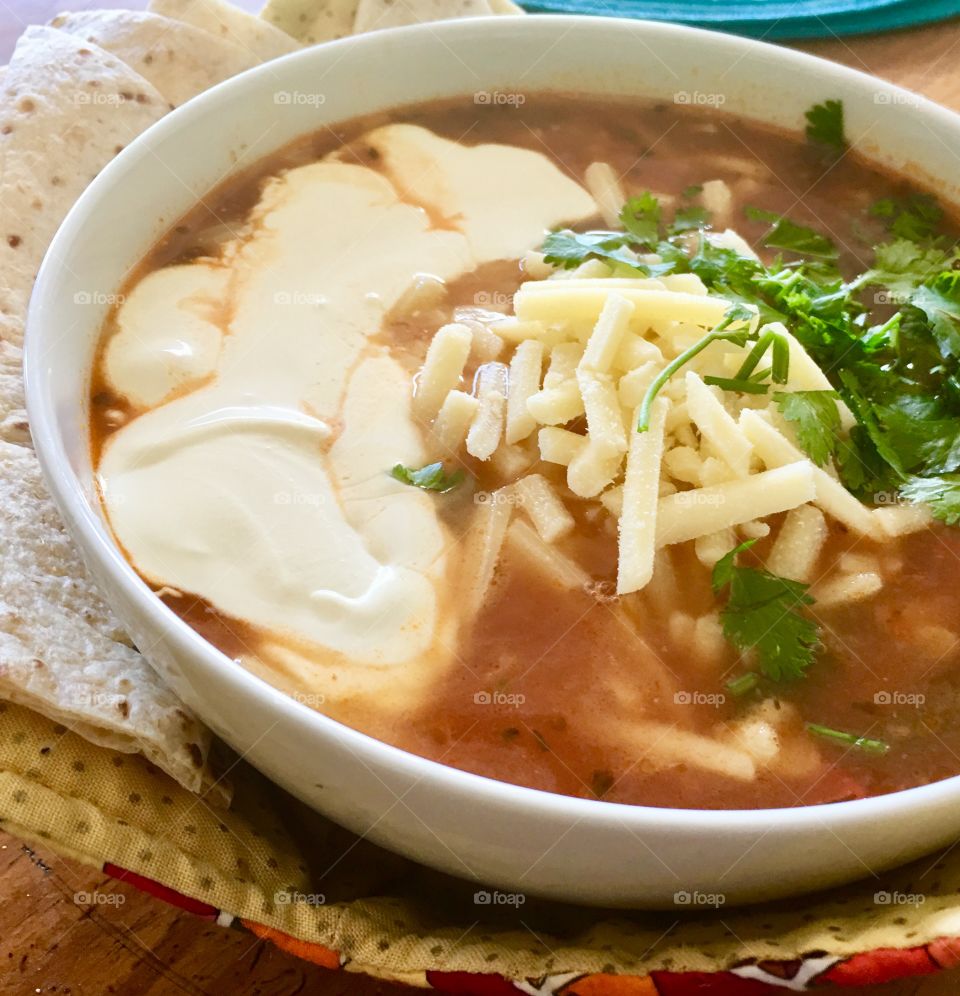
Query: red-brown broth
{"x": 529, "y": 703}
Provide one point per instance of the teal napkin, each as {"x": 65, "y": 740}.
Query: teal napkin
{"x": 768, "y": 18}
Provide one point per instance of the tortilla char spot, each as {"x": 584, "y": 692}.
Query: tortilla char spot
{"x": 13, "y": 241}
{"x": 124, "y": 708}
{"x": 84, "y": 52}
{"x": 148, "y": 59}
{"x": 38, "y": 663}
{"x": 142, "y": 98}
{"x": 27, "y": 106}
{"x": 117, "y": 150}
{"x": 56, "y": 181}
{"x": 7, "y": 128}
{"x": 126, "y": 95}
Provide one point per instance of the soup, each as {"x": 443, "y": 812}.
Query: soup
{"x": 587, "y": 447}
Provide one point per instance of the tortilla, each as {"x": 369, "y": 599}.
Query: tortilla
{"x": 62, "y": 651}
{"x": 312, "y": 21}
{"x": 259, "y": 39}
{"x": 179, "y": 59}
{"x": 67, "y": 107}
{"x": 375, "y": 14}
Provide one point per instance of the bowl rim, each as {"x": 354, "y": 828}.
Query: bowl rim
{"x": 83, "y": 521}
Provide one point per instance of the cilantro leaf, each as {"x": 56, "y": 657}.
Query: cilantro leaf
{"x": 568, "y": 249}
{"x": 430, "y": 478}
{"x": 791, "y": 237}
{"x": 901, "y": 266}
{"x": 913, "y": 218}
{"x": 640, "y": 218}
{"x": 942, "y": 494}
{"x": 763, "y": 614}
{"x": 825, "y": 126}
{"x": 688, "y": 219}
{"x": 940, "y": 302}
{"x": 816, "y": 419}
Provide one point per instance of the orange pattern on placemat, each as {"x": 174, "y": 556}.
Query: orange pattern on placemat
{"x": 612, "y": 985}
{"x": 315, "y": 953}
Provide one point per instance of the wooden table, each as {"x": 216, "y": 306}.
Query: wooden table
{"x": 48, "y": 944}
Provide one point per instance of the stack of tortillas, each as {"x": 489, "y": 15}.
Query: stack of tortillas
{"x": 74, "y": 94}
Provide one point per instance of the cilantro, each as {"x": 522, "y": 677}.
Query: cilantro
{"x": 817, "y": 421}
{"x": 913, "y": 218}
{"x": 568, "y": 249}
{"x": 762, "y": 614}
{"x": 640, "y": 218}
{"x": 735, "y": 314}
{"x": 431, "y": 478}
{"x": 688, "y": 219}
{"x": 942, "y": 494}
{"x": 939, "y": 300}
{"x": 825, "y": 126}
{"x": 900, "y": 378}
{"x": 743, "y": 684}
{"x": 791, "y": 237}
{"x": 852, "y": 739}
{"x": 737, "y": 384}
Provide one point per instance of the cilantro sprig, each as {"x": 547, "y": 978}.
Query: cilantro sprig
{"x": 764, "y": 614}
{"x": 826, "y": 126}
{"x": 736, "y": 314}
{"x": 432, "y": 477}
{"x": 868, "y": 744}
{"x": 816, "y": 419}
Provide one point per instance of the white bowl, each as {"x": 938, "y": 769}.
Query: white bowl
{"x": 516, "y": 839}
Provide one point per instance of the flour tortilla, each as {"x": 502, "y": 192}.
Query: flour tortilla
{"x": 62, "y": 651}
{"x": 375, "y": 14}
{"x": 314, "y": 21}
{"x": 258, "y": 38}
{"x": 178, "y": 59}
{"x": 66, "y": 107}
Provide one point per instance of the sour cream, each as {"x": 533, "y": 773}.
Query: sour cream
{"x": 255, "y": 475}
